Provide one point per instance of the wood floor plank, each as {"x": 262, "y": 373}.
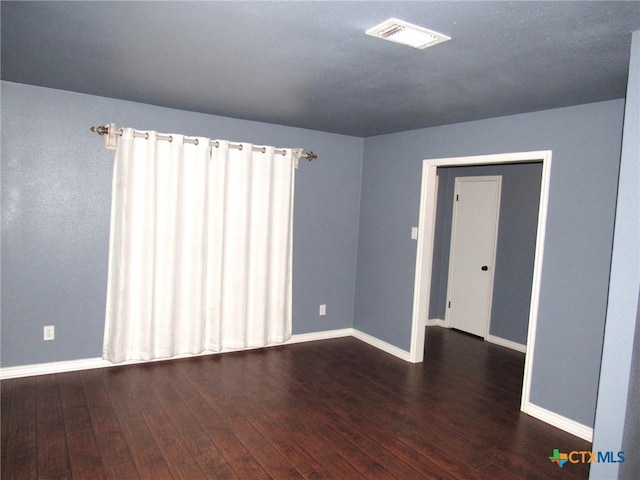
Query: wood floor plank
{"x": 296, "y": 454}
{"x": 359, "y": 435}
{"x": 109, "y": 434}
{"x": 5, "y": 415}
{"x": 188, "y": 471}
{"x": 53, "y": 453}
{"x": 144, "y": 450}
{"x": 130, "y": 393}
{"x": 398, "y": 468}
{"x": 495, "y": 473}
{"x": 20, "y": 452}
{"x": 177, "y": 376}
{"x": 239, "y": 458}
{"x": 123, "y": 471}
{"x": 351, "y": 430}
{"x": 162, "y": 396}
{"x": 208, "y": 457}
{"x": 356, "y": 457}
{"x": 68, "y": 475}
{"x": 276, "y": 465}
{"x": 442, "y": 457}
{"x": 168, "y": 438}
{"x": 74, "y": 403}
{"x": 321, "y": 451}
{"x": 424, "y": 466}
{"x": 86, "y": 461}
{"x": 321, "y": 474}
{"x": 245, "y": 431}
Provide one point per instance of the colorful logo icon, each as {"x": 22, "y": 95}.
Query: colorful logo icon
{"x": 559, "y": 458}
{"x": 585, "y": 456}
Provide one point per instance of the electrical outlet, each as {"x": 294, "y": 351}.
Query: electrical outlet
{"x": 49, "y": 332}
{"x": 323, "y": 310}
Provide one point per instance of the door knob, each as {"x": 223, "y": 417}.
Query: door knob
{"x": 484, "y": 268}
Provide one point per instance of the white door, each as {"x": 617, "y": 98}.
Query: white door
{"x": 474, "y": 237}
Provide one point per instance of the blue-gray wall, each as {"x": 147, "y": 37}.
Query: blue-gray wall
{"x": 56, "y": 194}
{"x": 585, "y": 141}
{"x": 617, "y": 355}
{"x": 517, "y": 228}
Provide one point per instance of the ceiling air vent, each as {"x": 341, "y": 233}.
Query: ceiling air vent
{"x": 405, "y": 33}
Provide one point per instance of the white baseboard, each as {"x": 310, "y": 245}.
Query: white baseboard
{"x": 503, "y": 342}
{"x": 435, "y": 322}
{"x": 382, "y": 345}
{"x": 54, "y": 367}
{"x": 89, "y": 363}
{"x": 558, "y": 421}
{"x": 324, "y": 335}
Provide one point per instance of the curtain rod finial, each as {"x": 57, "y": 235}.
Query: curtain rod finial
{"x": 110, "y": 131}
{"x": 100, "y": 129}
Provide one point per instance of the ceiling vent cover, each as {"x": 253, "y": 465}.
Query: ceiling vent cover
{"x": 405, "y": 33}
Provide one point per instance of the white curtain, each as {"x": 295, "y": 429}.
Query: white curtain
{"x": 201, "y": 247}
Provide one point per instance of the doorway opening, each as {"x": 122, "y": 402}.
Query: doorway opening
{"x": 425, "y": 247}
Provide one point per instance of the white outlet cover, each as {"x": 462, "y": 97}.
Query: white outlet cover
{"x": 414, "y": 233}
{"x": 49, "y": 332}
{"x": 323, "y": 309}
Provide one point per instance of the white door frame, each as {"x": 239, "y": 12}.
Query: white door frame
{"x": 494, "y": 247}
{"x": 424, "y": 254}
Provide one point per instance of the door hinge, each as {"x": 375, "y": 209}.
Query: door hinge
{"x": 457, "y": 197}
{"x": 449, "y": 303}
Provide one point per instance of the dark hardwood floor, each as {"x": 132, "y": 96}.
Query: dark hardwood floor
{"x": 336, "y": 409}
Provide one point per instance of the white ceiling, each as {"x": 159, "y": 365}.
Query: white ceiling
{"x": 309, "y": 63}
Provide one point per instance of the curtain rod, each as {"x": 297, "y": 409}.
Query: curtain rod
{"x": 111, "y": 131}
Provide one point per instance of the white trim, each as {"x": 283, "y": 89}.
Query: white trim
{"x": 424, "y": 254}
{"x": 314, "y": 336}
{"x": 559, "y": 421}
{"x": 435, "y": 322}
{"x": 382, "y": 345}
{"x": 424, "y": 259}
{"x": 503, "y": 342}
{"x": 53, "y": 367}
{"x": 89, "y": 363}
{"x": 537, "y": 278}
